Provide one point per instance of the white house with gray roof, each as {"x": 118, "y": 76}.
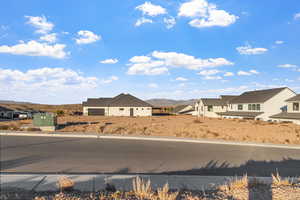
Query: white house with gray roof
{"x": 121, "y": 105}
{"x": 292, "y": 114}
{"x": 258, "y": 104}
{"x": 210, "y": 107}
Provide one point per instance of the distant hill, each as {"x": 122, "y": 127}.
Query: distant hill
{"x": 170, "y": 102}
{"x": 13, "y": 102}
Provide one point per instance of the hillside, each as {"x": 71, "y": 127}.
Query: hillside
{"x": 170, "y": 102}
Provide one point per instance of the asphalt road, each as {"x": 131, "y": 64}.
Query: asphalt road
{"x": 78, "y": 155}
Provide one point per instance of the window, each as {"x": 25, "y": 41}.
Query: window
{"x": 295, "y": 106}
{"x": 136, "y": 108}
{"x": 257, "y": 106}
{"x": 249, "y": 107}
{"x": 253, "y": 107}
{"x": 240, "y": 107}
{"x": 210, "y": 108}
{"x": 121, "y": 109}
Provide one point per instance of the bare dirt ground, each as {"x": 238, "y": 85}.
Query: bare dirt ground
{"x": 181, "y": 126}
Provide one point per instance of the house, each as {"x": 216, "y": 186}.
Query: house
{"x": 184, "y": 110}
{"x": 121, "y": 105}
{"x": 292, "y": 114}
{"x": 258, "y": 104}
{"x": 6, "y": 113}
{"x": 210, "y": 107}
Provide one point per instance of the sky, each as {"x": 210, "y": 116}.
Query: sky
{"x": 64, "y": 51}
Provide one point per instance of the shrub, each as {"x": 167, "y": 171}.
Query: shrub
{"x": 60, "y": 113}
{"x": 142, "y": 189}
{"x": 4, "y": 127}
{"x": 198, "y": 121}
{"x": 33, "y": 129}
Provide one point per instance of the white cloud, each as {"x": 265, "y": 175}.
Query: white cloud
{"x": 45, "y": 78}
{"x": 212, "y": 77}
{"x": 140, "y": 59}
{"x": 181, "y": 79}
{"x": 279, "y": 42}
{"x": 297, "y": 16}
{"x": 51, "y": 38}
{"x": 153, "y": 85}
{"x": 170, "y": 22}
{"x": 109, "y": 61}
{"x": 190, "y": 62}
{"x": 160, "y": 62}
{"x": 150, "y": 9}
{"x": 110, "y": 80}
{"x": 40, "y": 23}
{"x": 143, "y": 20}
{"x": 205, "y": 14}
{"x": 227, "y": 74}
{"x": 248, "y": 50}
{"x": 247, "y": 73}
{"x": 287, "y": 66}
{"x": 209, "y": 72}
{"x": 34, "y": 48}
{"x": 87, "y": 37}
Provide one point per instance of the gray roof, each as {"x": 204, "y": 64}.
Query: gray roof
{"x": 241, "y": 114}
{"x": 177, "y": 109}
{"x": 227, "y": 97}
{"x": 122, "y": 100}
{"x": 97, "y": 102}
{"x": 295, "y": 98}
{"x": 286, "y": 115}
{"x": 257, "y": 96}
{"x": 213, "y": 102}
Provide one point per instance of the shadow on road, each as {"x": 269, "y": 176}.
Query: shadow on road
{"x": 286, "y": 167}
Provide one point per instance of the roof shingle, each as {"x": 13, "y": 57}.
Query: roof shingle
{"x": 257, "y": 96}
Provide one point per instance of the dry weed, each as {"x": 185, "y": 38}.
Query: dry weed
{"x": 278, "y": 181}
{"x": 142, "y": 189}
{"x": 163, "y": 193}
{"x": 64, "y": 183}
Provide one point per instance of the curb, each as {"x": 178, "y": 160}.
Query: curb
{"x": 46, "y": 182}
{"x": 145, "y": 138}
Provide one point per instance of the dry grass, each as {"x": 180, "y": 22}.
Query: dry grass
{"x": 164, "y": 194}
{"x": 142, "y": 189}
{"x": 65, "y": 183}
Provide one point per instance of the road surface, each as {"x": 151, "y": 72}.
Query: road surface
{"x": 81, "y": 155}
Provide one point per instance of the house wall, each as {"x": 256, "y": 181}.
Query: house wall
{"x": 275, "y": 104}
{"x": 290, "y": 107}
{"x": 203, "y": 110}
{"x": 137, "y": 111}
{"x": 234, "y": 107}
{"x": 115, "y": 111}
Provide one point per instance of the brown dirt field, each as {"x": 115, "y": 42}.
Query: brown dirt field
{"x": 182, "y": 126}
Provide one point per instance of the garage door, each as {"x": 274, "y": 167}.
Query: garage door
{"x": 96, "y": 111}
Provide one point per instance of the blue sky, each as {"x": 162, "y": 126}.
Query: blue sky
{"x": 65, "y": 51}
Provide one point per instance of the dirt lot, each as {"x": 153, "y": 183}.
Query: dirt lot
{"x": 181, "y": 126}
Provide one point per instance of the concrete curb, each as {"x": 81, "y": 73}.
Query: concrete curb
{"x": 148, "y": 138}
{"x": 46, "y": 182}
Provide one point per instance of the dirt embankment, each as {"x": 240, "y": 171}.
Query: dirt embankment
{"x": 182, "y": 126}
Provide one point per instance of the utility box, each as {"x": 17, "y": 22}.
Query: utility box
{"x": 45, "y": 121}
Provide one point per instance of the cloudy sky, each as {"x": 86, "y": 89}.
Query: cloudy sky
{"x": 63, "y": 51}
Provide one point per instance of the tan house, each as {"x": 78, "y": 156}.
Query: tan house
{"x": 292, "y": 114}
{"x": 121, "y": 105}
{"x": 258, "y": 104}
{"x": 210, "y": 107}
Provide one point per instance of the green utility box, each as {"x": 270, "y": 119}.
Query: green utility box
{"x": 45, "y": 121}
